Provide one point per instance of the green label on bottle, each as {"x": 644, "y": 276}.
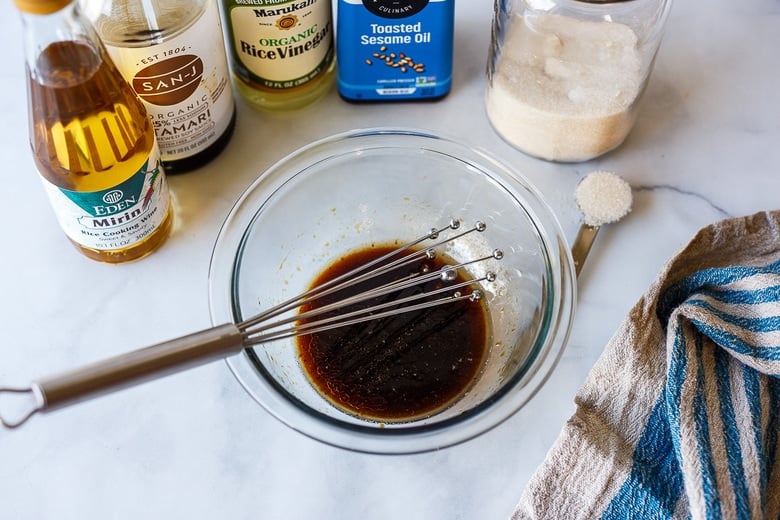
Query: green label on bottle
{"x": 118, "y": 217}
{"x": 280, "y": 44}
{"x": 115, "y": 201}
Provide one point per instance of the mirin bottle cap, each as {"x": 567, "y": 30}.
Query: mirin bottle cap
{"x": 41, "y": 6}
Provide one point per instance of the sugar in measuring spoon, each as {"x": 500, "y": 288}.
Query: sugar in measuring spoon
{"x": 603, "y": 197}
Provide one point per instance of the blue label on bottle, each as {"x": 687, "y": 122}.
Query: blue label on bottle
{"x": 391, "y": 50}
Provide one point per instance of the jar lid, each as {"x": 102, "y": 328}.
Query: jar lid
{"x": 41, "y": 6}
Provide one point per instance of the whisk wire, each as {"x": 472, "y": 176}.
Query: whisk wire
{"x": 369, "y": 270}
{"x": 399, "y": 306}
{"x": 446, "y": 273}
{"x": 364, "y": 315}
{"x": 257, "y": 330}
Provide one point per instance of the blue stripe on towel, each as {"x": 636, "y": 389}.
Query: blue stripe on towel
{"x": 736, "y": 344}
{"x": 751, "y": 323}
{"x": 742, "y": 296}
{"x": 731, "y": 434}
{"x": 643, "y": 494}
{"x": 678, "y": 292}
{"x": 771, "y": 456}
{"x": 753, "y": 395}
{"x": 675, "y": 372}
{"x": 702, "y": 426}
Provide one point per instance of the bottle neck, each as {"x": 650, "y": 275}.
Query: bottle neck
{"x": 42, "y": 30}
{"x": 141, "y": 23}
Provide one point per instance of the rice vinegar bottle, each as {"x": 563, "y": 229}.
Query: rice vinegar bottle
{"x": 91, "y": 138}
{"x": 282, "y": 52}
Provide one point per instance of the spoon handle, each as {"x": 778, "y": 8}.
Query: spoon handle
{"x": 582, "y": 244}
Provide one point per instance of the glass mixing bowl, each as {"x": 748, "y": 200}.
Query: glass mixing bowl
{"x": 348, "y": 191}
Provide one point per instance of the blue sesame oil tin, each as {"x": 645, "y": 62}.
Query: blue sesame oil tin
{"x": 391, "y": 50}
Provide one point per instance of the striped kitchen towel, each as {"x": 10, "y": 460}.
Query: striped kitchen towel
{"x": 680, "y": 416}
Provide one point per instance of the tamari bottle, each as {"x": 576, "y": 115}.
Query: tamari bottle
{"x": 91, "y": 137}
{"x": 282, "y": 52}
{"x": 172, "y": 53}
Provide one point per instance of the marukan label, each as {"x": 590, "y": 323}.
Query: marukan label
{"x": 280, "y": 44}
{"x": 184, "y": 84}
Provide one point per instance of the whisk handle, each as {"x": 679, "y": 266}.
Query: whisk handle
{"x": 138, "y": 366}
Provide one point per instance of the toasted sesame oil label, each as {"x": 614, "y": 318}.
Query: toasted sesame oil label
{"x": 118, "y": 217}
{"x": 388, "y": 49}
{"x": 280, "y": 44}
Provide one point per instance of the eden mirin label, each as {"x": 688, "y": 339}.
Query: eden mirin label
{"x": 118, "y": 217}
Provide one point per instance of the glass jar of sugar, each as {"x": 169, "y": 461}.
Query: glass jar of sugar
{"x": 565, "y": 77}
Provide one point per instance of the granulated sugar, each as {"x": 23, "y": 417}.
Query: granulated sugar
{"x": 564, "y": 89}
{"x": 603, "y": 197}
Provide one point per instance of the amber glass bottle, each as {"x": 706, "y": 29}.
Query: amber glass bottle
{"x": 91, "y": 137}
{"x": 172, "y": 53}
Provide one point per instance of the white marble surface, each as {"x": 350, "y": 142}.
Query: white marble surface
{"x": 196, "y": 446}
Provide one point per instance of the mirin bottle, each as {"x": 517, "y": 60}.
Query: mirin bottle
{"x": 91, "y": 138}
{"x": 172, "y": 54}
{"x": 282, "y": 52}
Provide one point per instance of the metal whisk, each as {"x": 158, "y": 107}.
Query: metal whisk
{"x": 273, "y": 324}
